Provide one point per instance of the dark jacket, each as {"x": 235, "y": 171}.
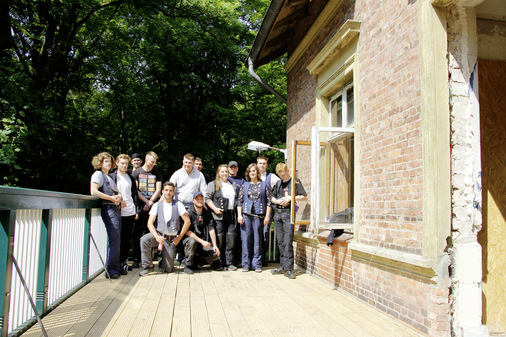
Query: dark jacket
{"x": 201, "y": 228}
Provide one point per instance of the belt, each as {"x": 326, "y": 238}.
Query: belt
{"x": 279, "y": 209}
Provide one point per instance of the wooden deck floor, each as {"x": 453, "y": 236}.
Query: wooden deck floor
{"x": 211, "y": 303}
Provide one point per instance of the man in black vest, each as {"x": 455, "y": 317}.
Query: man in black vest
{"x": 167, "y": 213}
{"x": 196, "y": 244}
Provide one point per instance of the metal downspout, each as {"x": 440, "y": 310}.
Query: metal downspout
{"x": 267, "y": 22}
{"x": 262, "y": 82}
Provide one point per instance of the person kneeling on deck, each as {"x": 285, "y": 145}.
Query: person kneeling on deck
{"x": 168, "y": 232}
{"x": 197, "y": 248}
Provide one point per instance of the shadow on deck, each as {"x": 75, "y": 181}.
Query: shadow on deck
{"x": 211, "y": 303}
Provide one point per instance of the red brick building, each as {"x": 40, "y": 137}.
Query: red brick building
{"x": 389, "y": 120}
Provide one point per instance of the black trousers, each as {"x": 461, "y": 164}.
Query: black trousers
{"x": 284, "y": 235}
{"x": 127, "y": 225}
{"x": 226, "y": 237}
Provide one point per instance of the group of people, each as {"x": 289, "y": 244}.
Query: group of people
{"x": 192, "y": 215}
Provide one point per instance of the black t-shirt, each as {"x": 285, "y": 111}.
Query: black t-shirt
{"x": 283, "y": 188}
{"x": 147, "y": 182}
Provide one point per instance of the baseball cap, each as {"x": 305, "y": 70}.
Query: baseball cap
{"x": 233, "y": 163}
{"x": 196, "y": 194}
{"x": 136, "y": 155}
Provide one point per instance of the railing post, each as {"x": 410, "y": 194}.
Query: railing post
{"x": 86, "y": 246}
{"x": 44, "y": 254}
{"x": 8, "y": 221}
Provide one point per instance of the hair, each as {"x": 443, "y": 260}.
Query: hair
{"x": 199, "y": 159}
{"x": 99, "y": 158}
{"x": 152, "y": 154}
{"x": 217, "y": 180}
{"x": 250, "y": 166}
{"x": 169, "y": 183}
{"x": 262, "y": 157}
{"x": 281, "y": 167}
{"x": 189, "y": 156}
{"x": 123, "y": 156}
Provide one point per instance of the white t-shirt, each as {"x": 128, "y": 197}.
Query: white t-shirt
{"x": 228, "y": 191}
{"x": 167, "y": 211}
{"x": 125, "y": 189}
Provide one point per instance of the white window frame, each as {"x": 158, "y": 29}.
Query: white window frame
{"x": 317, "y": 223}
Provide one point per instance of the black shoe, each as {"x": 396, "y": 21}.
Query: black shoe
{"x": 289, "y": 274}
{"x": 124, "y": 269}
{"x": 187, "y": 270}
{"x": 278, "y": 271}
{"x": 113, "y": 276}
{"x": 135, "y": 264}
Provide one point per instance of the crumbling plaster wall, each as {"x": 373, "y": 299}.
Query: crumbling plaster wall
{"x": 465, "y": 253}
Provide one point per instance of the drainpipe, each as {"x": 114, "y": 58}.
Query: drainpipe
{"x": 263, "y": 32}
{"x": 262, "y": 82}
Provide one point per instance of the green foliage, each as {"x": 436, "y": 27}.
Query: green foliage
{"x": 87, "y": 76}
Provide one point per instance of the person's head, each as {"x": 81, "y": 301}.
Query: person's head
{"x": 168, "y": 190}
{"x": 150, "y": 161}
{"x": 122, "y": 163}
{"x": 221, "y": 175}
{"x": 198, "y": 199}
{"x": 103, "y": 161}
{"x": 188, "y": 162}
{"x": 252, "y": 172}
{"x": 262, "y": 163}
{"x": 198, "y": 163}
{"x": 233, "y": 168}
{"x": 136, "y": 161}
{"x": 282, "y": 171}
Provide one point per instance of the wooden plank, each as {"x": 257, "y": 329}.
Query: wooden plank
{"x": 162, "y": 324}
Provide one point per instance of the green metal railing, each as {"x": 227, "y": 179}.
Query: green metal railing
{"x": 46, "y": 252}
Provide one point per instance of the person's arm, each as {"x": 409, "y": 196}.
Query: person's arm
{"x": 151, "y": 227}
{"x": 96, "y": 193}
{"x": 212, "y": 234}
{"x": 210, "y": 190}
{"x": 187, "y": 223}
{"x": 240, "y": 219}
{"x": 267, "y": 219}
{"x": 156, "y": 195}
{"x": 199, "y": 240}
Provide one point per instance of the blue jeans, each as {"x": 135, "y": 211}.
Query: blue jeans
{"x": 111, "y": 216}
{"x": 252, "y": 241}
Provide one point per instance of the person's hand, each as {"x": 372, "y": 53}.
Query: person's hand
{"x": 240, "y": 219}
{"x": 116, "y": 199}
{"x": 218, "y": 211}
{"x": 123, "y": 204}
{"x": 266, "y": 221}
{"x": 136, "y": 217}
{"x": 160, "y": 239}
{"x": 216, "y": 251}
{"x": 206, "y": 244}
{"x": 176, "y": 240}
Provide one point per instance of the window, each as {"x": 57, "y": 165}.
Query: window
{"x": 333, "y": 137}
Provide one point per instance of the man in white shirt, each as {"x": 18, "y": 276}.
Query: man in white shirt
{"x": 167, "y": 213}
{"x": 188, "y": 180}
{"x": 129, "y": 213}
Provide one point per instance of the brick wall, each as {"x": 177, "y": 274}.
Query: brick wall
{"x": 391, "y": 175}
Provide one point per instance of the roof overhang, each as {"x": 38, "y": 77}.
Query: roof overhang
{"x": 276, "y": 30}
